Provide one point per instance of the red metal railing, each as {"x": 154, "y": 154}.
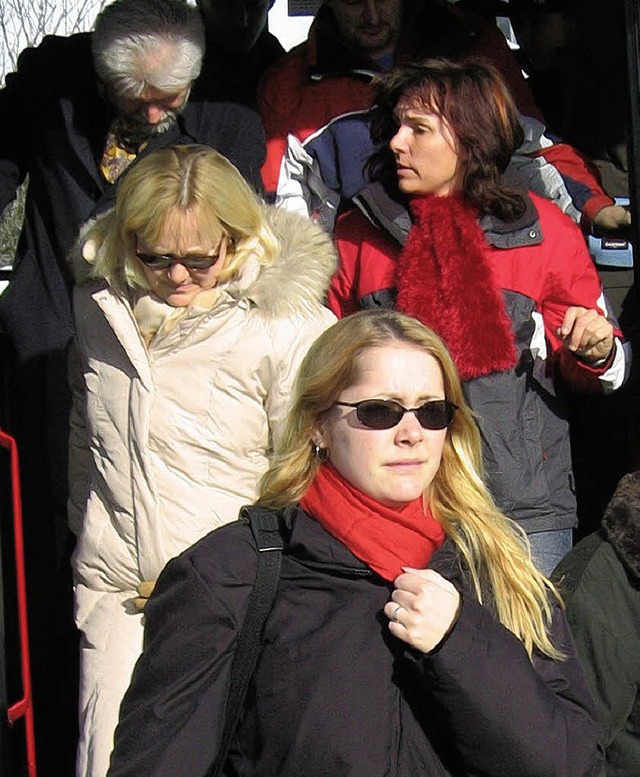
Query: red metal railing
{"x": 23, "y": 708}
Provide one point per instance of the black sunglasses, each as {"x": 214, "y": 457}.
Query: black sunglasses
{"x": 385, "y": 413}
{"x": 192, "y": 262}
{"x": 163, "y": 261}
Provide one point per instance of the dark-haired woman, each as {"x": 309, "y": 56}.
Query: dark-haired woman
{"x": 500, "y": 273}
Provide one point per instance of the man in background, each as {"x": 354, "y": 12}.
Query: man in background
{"x": 239, "y": 49}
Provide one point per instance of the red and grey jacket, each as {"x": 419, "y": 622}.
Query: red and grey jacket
{"x": 541, "y": 265}
{"x": 322, "y": 79}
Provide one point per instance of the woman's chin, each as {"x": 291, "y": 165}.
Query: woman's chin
{"x": 179, "y": 298}
{"x": 409, "y": 187}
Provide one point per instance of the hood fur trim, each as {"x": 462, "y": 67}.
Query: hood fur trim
{"x": 298, "y": 279}
{"x": 296, "y": 282}
{"x": 621, "y": 522}
{"x": 83, "y": 252}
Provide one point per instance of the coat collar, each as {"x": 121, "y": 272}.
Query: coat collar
{"x": 392, "y": 216}
{"x": 314, "y": 546}
{"x": 621, "y": 522}
{"x": 296, "y": 282}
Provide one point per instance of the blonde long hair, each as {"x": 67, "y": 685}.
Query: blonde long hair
{"x": 175, "y": 179}
{"x": 494, "y": 547}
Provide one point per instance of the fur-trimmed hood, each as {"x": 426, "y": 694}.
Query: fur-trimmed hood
{"x": 298, "y": 279}
{"x": 621, "y": 522}
{"x": 296, "y": 282}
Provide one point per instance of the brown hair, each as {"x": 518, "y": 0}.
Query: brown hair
{"x": 475, "y": 102}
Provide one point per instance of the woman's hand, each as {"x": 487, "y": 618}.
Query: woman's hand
{"x": 423, "y": 609}
{"x": 587, "y": 334}
{"x": 144, "y": 589}
{"x": 612, "y": 219}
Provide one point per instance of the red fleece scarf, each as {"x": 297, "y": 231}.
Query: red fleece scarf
{"x": 444, "y": 280}
{"x": 384, "y": 538}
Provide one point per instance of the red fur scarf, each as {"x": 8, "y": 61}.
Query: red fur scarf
{"x": 444, "y": 280}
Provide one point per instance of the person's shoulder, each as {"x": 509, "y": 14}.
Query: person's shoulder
{"x": 233, "y": 129}
{"x": 268, "y": 48}
{"x": 288, "y": 69}
{"x": 222, "y": 554}
{"x": 57, "y": 53}
{"x": 550, "y": 214}
{"x": 353, "y": 225}
{"x": 231, "y": 551}
{"x": 579, "y": 562}
{"x": 559, "y": 230}
{"x": 223, "y": 112}
{"x": 354, "y": 228}
{"x": 293, "y": 57}
{"x": 295, "y": 283}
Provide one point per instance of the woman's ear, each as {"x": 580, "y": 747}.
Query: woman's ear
{"x": 320, "y": 435}
{"x": 318, "y": 439}
{"x": 321, "y": 449}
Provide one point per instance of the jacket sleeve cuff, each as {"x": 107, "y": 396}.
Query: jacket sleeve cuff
{"x": 455, "y": 647}
{"x": 591, "y": 207}
{"x": 597, "y": 378}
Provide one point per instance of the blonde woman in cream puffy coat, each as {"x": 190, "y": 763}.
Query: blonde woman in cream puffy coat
{"x": 194, "y": 305}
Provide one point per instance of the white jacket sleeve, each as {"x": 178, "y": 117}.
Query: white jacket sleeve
{"x": 290, "y": 347}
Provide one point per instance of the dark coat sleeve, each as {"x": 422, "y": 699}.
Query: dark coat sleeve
{"x": 18, "y": 99}
{"x": 53, "y": 82}
{"x": 172, "y": 716}
{"x": 504, "y": 715}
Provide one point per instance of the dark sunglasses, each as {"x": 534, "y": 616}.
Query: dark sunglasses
{"x": 192, "y": 262}
{"x": 385, "y": 413}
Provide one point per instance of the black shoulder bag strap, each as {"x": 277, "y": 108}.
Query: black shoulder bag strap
{"x": 265, "y": 527}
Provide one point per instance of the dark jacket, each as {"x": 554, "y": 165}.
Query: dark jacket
{"x": 541, "y": 265}
{"x": 335, "y": 694}
{"x": 600, "y": 580}
{"x": 54, "y": 131}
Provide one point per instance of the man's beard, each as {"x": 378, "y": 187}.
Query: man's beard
{"x": 134, "y": 131}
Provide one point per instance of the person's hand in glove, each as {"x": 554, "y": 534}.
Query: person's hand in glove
{"x": 144, "y": 589}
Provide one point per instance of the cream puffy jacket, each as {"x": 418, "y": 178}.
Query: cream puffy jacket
{"x": 169, "y": 442}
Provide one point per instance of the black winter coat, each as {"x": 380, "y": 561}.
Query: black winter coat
{"x": 600, "y": 581}
{"x": 335, "y": 694}
{"x": 54, "y": 129}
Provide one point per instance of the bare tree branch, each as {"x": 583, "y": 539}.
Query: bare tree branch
{"x": 25, "y": 22}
